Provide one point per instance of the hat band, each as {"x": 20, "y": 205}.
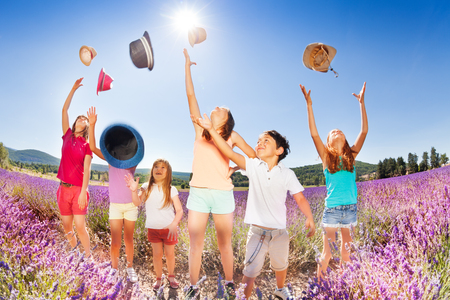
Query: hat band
{"x": 147, "y": 49}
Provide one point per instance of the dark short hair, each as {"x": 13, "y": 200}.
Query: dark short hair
{"x": 281, "y": 141}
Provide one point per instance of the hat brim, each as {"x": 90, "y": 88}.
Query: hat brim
{"x": 307, "y": 53}
{"x": 101, "y": 78}
{"x": 118, "y": 163}
{"x": 149, "y": 48}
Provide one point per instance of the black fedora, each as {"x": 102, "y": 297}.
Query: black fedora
{"x": 141, "y": 52}
{"x": 122, "y": 146}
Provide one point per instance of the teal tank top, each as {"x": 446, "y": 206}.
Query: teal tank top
{"x": 341, "y": 188}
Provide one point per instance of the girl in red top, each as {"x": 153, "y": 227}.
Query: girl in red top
{"x": 74, "y": 172}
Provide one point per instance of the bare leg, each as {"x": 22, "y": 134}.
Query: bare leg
{"x": 330, "y": 233}
{"x": 197, "y": 222}
{"x": 346, "y": 239}
{"x": 224, "y": 229}
{"x": 116, "y": 239}
{"x": 169, "y": 250}
{"x": 67, "y": 222}
{"x": 250, "y": 281}
{"x": 128, "y": 233}
{"x": 281, "y": 278}
{"x": 157, "y": 258}
{"x": 80, "y": 225}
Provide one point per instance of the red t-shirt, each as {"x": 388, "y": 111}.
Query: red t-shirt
{"x": 73, "y": 152}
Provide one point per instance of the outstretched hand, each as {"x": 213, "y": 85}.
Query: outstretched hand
{"x": 92, "y": 116}
{"x": 306, "y": 94}
{"x": 77, "y": 84}
{"x": 131, "y": 183}
{"x": 188, "y": 59}
{"x": 204, "y": 122}
{"x": 360, "y": 96}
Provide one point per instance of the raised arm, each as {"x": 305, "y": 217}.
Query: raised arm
{"x": 136, "y": 195}
{"x": 364, "y": 123}
{"x": 65, "y": 110}
{"x": 206, "y": 124}
{"x": 190, "y": 93}
{"x": 239, "y": 142}
{"x": 92, "y": 116}
{"x": 312, "y": 124}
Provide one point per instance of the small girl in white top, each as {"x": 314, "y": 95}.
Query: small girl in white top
{"x": 160, "y": 200}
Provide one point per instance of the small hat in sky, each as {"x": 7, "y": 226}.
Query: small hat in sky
{"x": 122, "y": 146}
{"x": 141, "y": 52}
{"x": 104, "y": 81}
{"x": 87, "y": 54}
{"x": 196, "y": 35}
{"x": 318, "y": 57}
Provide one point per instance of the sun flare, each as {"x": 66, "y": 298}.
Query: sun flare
{"x": 185, "y": 20}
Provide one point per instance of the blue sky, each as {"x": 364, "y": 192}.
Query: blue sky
{"x": 250, "y": 62}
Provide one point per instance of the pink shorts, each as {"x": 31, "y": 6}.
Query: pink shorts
{"x": 160, "y": 236}
{"x": 68, "y": 200}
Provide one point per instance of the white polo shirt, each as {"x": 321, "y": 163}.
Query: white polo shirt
{"x": 157, "y": 217}
{"x": 267, "y": 193}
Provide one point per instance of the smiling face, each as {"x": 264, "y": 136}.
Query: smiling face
{"x": 219, "y": 116}
{"x": 266, "y": 148}
{"x": 336, "y": 139}
{"x": 159, "y": 172}
{"x": 81, "y": 126}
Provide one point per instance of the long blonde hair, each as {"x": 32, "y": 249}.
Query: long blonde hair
{"x": 346, "y": 162}
{"x": 165, "y": 185}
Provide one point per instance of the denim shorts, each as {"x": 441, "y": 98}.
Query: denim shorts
{"x": 210, "y": 201}
{"x": 343, "y": 216}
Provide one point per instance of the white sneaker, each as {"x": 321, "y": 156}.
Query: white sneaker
{"x": 112, "y": 272}
{"x": 283, "y": 294}
{"x": 132, "y": 276}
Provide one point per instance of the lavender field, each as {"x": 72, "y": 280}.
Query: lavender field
{"x": 401, "y": 246}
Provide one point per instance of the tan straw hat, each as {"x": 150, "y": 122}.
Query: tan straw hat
{"x": 196, "y": 35}
{"x": 87, "y": 54}
{"x": 318, "y": 57}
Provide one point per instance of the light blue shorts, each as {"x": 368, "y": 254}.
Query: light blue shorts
{"x": 210, "y": 201}
{"x": 343, "y": 216}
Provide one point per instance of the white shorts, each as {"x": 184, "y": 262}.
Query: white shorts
{"x": 276, "y": 243}
{"x": 120, "y": 211}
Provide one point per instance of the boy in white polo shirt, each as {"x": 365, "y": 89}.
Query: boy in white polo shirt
{"x": 269, "y": 182}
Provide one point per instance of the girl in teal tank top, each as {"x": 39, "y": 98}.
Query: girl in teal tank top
{"x": 338, "y": 160}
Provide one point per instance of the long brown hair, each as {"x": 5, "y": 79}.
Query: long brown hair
{"x": 346, "y": 162}
{"x": 85, "y": 132}
{"x": 225, "y": 130}
{"x": 165, "y": 185}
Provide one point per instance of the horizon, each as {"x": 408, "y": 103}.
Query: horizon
{"x": 251, "y": 62}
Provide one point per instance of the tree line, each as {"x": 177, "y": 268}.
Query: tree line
{"x": 391, "y": 167}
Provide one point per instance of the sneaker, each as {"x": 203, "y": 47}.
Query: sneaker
{"x": 192, "y": 293}
{"x": 230, "y": 290}
{"x": 112, "y": 272}
{"x": 132, "y": 276}
{"x": 283, "y": 294}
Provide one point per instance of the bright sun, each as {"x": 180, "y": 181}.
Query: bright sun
{"x": 185, "y": 20}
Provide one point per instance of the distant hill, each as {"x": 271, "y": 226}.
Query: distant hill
{"x": 308, "y": 175}
{"x": 36, "y": 156}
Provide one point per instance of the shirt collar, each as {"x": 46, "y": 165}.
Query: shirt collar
{"x": 279, "y": 165}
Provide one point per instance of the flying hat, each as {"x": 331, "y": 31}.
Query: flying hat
{"x": 196, "y": 35}
{"x": 122, "y": 146}
{"x": 104, "y": 81}
{"x": 318, "y": 57}
{"x": 141, "y": 52}
{"x": 87, "y": 54}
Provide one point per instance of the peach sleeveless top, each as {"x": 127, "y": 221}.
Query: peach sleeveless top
{"x": 210, "y": 167}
